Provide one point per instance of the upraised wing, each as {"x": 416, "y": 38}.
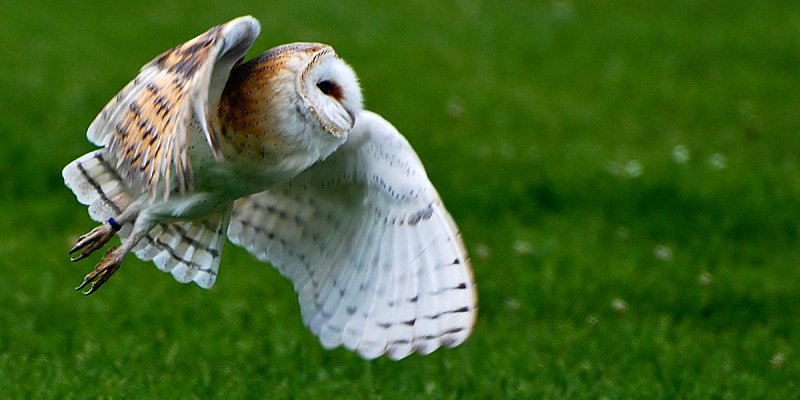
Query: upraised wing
{"x": 146, "y": 126}
{"x": 375, "y": 258}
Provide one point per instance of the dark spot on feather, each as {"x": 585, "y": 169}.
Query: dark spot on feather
{"x": 420, "y": 215}
{"x": 187, "y": 60}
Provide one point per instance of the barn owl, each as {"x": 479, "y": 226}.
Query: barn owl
{"x": 277, "y": 155}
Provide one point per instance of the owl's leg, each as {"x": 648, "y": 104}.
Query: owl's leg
{"x": 112, "y": 259}
{"x": 99, "y": 236}
{"x": 110, "y": 263}
{"x": 95, "y": 239}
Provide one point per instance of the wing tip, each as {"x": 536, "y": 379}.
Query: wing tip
{"x": 246, "y": 27}
{"x": 205, "y": 280}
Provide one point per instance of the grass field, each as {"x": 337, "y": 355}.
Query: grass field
{"x": 626, "y": 177}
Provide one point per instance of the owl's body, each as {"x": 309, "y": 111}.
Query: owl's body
{"x": 277, "y": 155}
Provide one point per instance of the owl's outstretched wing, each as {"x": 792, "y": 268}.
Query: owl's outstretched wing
{"x": 146, "y": 126}
{"x": 375, "y": 258}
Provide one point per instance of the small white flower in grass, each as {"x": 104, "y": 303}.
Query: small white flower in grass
{"x": 513, "y": 304}
{"x": 777, "y": 360}
{"x": 680, "y": 154}
{"x": 662, "y": 252}
{"x": 705, "y": 278}
{"x": 172, "y": 352}
{"x": 619, "y": 305}
{"x": 718, "y": 162}
{"x": 522, "y": 248}
{"x": 633, "y": 169}
{"x": 430, "y": 387}
{"x": 482, "y": 251}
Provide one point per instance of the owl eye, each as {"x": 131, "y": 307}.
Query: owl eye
{"x": 329, "y": 88}
{"x": 325, "y": 87}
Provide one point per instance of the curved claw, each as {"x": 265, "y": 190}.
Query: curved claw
{"x": 83, "y": 284}
{"x": 102, "y": 272}
{"x": 92, "y": 241}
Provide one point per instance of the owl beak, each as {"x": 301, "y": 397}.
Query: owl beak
{"x": 352, "y": 119}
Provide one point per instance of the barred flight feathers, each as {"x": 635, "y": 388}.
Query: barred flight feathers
{"x": 148, "y": 123}
{"x": 190, "y": 250}
{"x": 375, "y": 258}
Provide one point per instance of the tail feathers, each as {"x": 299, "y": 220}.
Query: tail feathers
{"x": 96, "y": 183}
{"x": 190, "y": 250}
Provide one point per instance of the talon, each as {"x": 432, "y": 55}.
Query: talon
{"x": 92, "y": 289}
{"x": 94, "y": 240}
{"x": 83, "y": 284}
{"x": 80, "y": 256}
{"x": 102, "y": 272}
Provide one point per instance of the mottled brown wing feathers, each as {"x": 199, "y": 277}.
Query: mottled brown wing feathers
{"x": 146, "y": 126}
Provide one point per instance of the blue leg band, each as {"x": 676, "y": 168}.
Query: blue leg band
{"x": 114, "y": 224}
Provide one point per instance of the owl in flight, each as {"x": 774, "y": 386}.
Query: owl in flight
{"x": 278, "y": 155}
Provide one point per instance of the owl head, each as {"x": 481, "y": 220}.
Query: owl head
{"x": 327, "y": 86}
{"x": 297, "y": 95}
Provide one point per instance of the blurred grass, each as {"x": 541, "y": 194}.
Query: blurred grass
{"x": 625, "y": 176}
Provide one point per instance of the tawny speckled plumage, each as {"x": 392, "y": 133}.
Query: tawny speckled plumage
{"x": 277, "y": 155}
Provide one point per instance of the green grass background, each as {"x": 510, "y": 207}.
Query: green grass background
{"x": 625, "y": 175}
